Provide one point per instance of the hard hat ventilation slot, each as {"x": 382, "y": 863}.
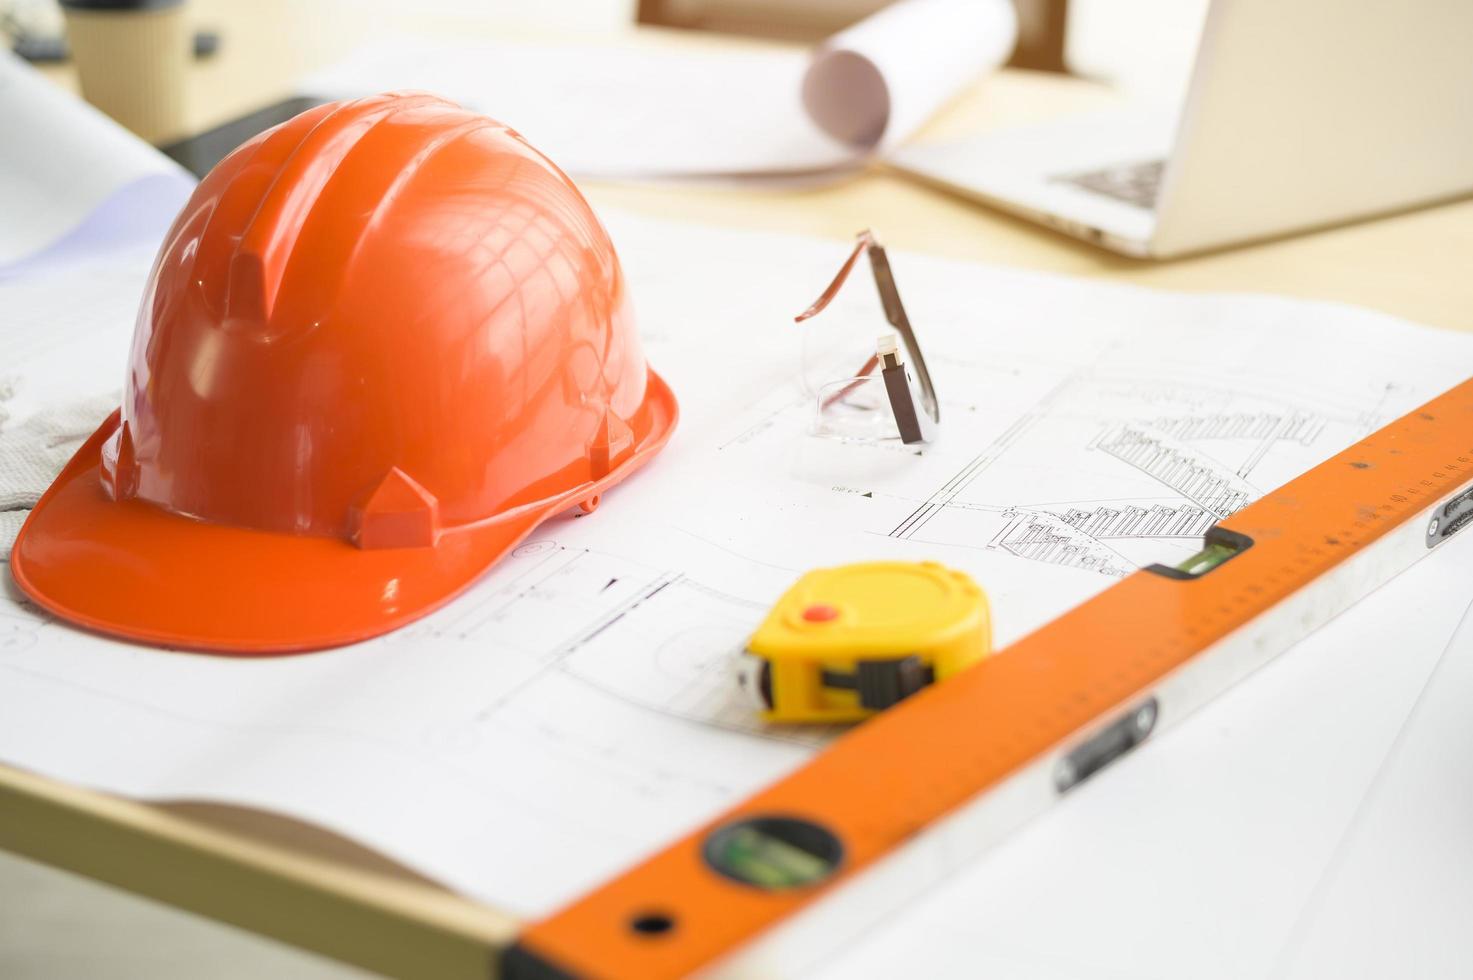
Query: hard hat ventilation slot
{"x": 398, "y": 513}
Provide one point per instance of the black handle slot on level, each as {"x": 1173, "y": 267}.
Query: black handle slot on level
{"x": 1451, "y": 518}
{"x": 1116, "y": 739}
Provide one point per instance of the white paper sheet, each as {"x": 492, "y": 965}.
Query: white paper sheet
{"x": 643, "y": 111}
{"x": 574, "y": 709}
{"x": 872, "y": 85}
{"x": 60, "y": 159}
{"x": 1396, "y": 899}
{"x": 65, "y": 328}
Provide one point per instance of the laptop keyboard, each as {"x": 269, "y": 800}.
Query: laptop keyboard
{"x": 1133, "y": 183}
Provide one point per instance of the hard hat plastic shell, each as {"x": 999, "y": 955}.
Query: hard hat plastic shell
{"x": 381, "y": 343}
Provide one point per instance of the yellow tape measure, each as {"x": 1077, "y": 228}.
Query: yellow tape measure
{"x": 846, "y": 642}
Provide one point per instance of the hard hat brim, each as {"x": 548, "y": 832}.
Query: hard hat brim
{"x": 134, "y": 570}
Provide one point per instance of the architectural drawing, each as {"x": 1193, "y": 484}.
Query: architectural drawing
{"x": 1042, "y": 536}
{"x": 688, "y": 634}
{"x": 572, "y": 710}
{"x": 1178, "y": 467}
{"x": 683, "y": 634}
{"x": 1181, "y": 457}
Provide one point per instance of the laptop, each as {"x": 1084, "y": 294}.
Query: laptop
{"x": 1300, "y": 114}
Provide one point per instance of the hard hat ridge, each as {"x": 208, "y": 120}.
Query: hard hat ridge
{"x": 282, "y": 189}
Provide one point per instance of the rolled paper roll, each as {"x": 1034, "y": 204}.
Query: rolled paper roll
{"x": 872, "y": 85}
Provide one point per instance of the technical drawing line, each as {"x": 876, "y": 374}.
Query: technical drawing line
{"x": 613, "y": 617}
{"x": 1201, "y": 386}
{"x": 1264, "y": 445}
{"x": 1133, "y": 521}
{"x": 1049, "y": 505}
{"x": 811, "y": 737}
{"x": 1049, "y": 538}
{"x": 1267, "y": 428}
{"x": 1302, "y": 427}
{"x": 727, "y": 597}
{"x": 979, "y": 463}
{"x": 487, "y": 608}
{"x": 563, "y": 650}
{"x": 963, "y": 478}
{"x": 1373, "y": 418}
{"x": 735, "y": 554}
{"x": 1333, "y": 866}
{"x": 1190, "y": 473}
{"x": 762, "y": 424}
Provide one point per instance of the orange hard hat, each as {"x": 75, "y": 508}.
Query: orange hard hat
{"x": 381, "y": 344}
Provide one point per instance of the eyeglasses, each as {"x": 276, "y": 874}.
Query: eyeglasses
{"x": 891, "y": 394}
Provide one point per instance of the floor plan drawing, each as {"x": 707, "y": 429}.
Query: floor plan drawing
{"x": 1174, "y": 459}
{"x": 575, "y": 706}
{"x": 1044, "y": 536}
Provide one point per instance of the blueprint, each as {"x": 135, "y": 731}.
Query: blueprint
{"x": 575, "y": 707}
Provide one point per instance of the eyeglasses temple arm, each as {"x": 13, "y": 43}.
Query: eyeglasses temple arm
{"x": 864, "y": 241}
{"x": 895, "y": 313}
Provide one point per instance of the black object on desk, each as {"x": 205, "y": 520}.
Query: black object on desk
{"x": 199, "y": 154}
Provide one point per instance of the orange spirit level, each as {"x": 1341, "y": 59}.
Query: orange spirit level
{"x": 808, "y": 863}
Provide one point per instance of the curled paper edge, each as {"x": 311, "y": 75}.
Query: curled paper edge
{"x": 873, "y": 84}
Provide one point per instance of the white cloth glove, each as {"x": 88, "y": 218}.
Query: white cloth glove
{"x": 32, "y": 453}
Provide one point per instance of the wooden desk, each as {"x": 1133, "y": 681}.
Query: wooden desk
{"x": 280, "y": 878}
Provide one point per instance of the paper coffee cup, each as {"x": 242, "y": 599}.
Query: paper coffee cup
{"x": 131, "y": 58}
